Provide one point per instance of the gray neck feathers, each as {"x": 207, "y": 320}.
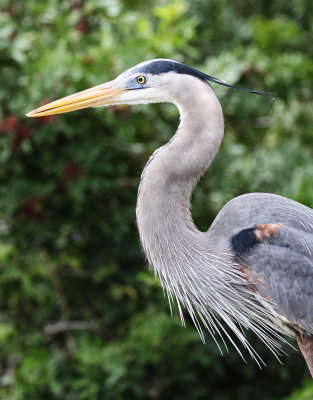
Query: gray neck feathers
{"x": 195, "y": 268}
{"x": 163, "y": 206}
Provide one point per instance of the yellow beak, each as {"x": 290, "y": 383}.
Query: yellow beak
{"x": 97, "y": 96}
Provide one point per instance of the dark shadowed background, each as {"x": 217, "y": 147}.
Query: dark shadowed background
{"x": 81, "y": 316}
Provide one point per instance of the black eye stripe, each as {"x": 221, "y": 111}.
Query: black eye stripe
{"x": 158, "y": 67}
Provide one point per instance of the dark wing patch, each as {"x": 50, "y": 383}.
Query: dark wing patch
{"x": 244, "y": 241}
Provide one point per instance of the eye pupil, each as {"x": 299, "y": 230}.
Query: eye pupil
{"x": 141, "y": 79}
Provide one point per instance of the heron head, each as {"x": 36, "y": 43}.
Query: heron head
{"x": 153, "y": 81}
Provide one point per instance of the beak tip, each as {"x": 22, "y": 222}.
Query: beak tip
{"x": 94, "y": 97}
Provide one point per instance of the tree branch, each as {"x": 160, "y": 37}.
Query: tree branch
{"x": 66, "y": 326}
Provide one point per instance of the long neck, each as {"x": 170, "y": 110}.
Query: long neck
{"x": 196, "y": 268}
{"x": 163, "y": 207}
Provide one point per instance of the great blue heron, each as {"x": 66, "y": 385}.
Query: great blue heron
{"x": 254, "y": 267}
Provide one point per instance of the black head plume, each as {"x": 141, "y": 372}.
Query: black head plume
{"x": 220, "y": 82}
{"x": 157, "y": 67}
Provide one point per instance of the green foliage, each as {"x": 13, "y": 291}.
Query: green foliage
{"x": 302, "y": 394}
{"x": 81, "y": 317}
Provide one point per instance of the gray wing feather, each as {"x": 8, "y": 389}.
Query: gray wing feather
{"x": 283, "y": 264}
{"x": 286, "y": 279}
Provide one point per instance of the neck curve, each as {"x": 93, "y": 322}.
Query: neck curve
{"x": 196, "y": 268}
{"x": 178, "y": 252}
{"x": 163, "y": 206}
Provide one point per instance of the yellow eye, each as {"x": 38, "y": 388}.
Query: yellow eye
{"x": 141, "y": 79}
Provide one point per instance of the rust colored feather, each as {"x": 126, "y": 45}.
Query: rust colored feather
{"x": 306, "y": 346}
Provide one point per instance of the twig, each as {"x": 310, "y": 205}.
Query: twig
{"x": 66, "y": 326}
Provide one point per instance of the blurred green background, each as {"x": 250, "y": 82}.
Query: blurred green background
{"x": 81, "y": 316}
